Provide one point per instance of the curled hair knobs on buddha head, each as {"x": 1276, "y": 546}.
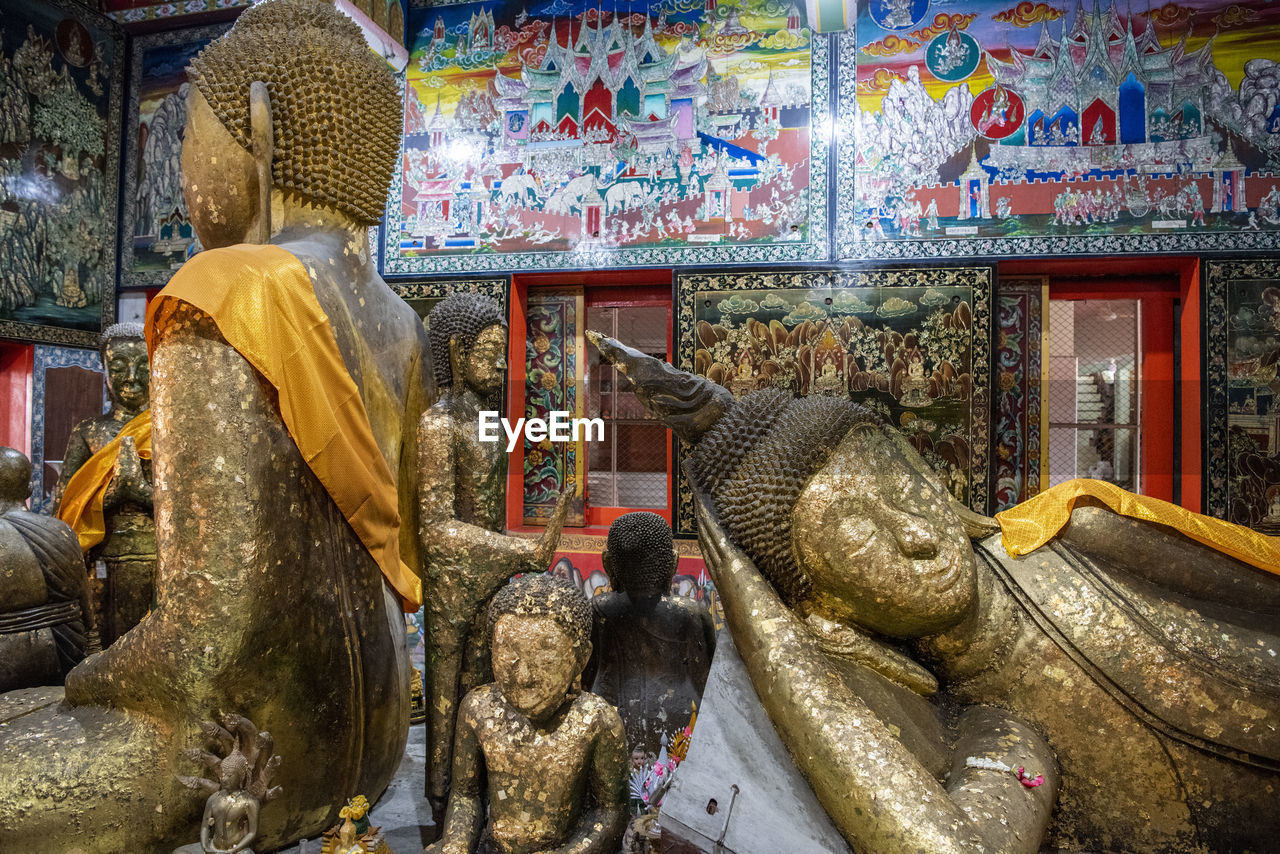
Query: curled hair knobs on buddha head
{"x": 544, "y": 595}
{"x": 335, "y": 109}
{"x": 465, "y": 315}
{"x": 640, "y": 559}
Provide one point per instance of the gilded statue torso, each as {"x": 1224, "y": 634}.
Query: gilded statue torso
{"x": 1133, "y": 736}
{"x": 479, "y": 469}
{"x": 271, "y": 604}
{"x": 532, "y": 806}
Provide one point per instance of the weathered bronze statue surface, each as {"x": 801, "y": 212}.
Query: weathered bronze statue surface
{"x": 1133, "y": 670}
{"x": 652, "y": 650}
{"x": 128, "y": 549}
{"x": 546, "y": 758}
{"x": 43, "y": 597}
{"x": 268, "y": 601}
{"x": 242, "y": 784}
{"x": 466, "y": 557}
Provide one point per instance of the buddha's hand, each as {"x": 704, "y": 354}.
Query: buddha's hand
{"x": 751, "y": 604}
{"x": 725, "y": 561}
{"x": 550, "y": 539}
{"x": 130, "y": 482}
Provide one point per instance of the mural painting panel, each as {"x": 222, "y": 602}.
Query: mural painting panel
{"x": 567, "y": 135}
{"x": 1242, "y": 337}
{"x": 553, "y": 383}
{"x": 157, "y": 236}
{"x": 1022, "y": 307}
{"x": 912, "y": 344}
{"x": 60, "y": 89}
{"x": 1018, "y": 128}
{"x": 136, "y": 11}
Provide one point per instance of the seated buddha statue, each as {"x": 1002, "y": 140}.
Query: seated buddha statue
{"x": 539, "y": 765}
{"x": 287, "y": 381}
{"x": 652, "y": 650}
{"x": 42, "y": 586}
{"x": 1113, "y": 688}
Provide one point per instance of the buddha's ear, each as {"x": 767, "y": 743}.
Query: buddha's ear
{"x": 976, "y": 525}
{"x": 457, "y": 361}
{"x": 262, "y": 137}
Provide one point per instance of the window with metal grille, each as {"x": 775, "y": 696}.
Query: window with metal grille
{"x": 1095, "y": 354}
{"x": 629, "y": 469}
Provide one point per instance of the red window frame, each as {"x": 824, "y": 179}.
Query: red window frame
{"x": 1170, "y": 460}
{"x": 614, "y": 288}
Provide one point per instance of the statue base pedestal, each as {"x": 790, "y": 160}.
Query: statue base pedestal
{"x": 736, "y": 760}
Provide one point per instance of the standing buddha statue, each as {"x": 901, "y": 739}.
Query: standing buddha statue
{"x": 104, "y": 488}
{"x": 466, "y": 557}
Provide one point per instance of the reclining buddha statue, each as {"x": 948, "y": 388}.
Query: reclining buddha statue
{"x": 1116, "y": 687}
{"x": 287, "y": 382}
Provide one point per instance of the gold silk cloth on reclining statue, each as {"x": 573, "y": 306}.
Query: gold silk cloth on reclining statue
{"x": 83, "y": 499}
{"x": 262, "y": 301}
{"x": 1028, "y": 526}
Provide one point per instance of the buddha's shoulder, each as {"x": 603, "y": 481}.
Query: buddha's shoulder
{"x": 597, "y": 710}
{"x": 480, "y": 700}
{"x": 684, "y": 606}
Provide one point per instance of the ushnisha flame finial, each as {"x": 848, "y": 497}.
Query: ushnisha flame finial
{"x": 687, "y": 403}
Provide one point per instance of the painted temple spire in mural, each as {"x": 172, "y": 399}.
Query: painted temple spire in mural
{"x": 571, "y": 128}
{"x": 1101, "y": 126}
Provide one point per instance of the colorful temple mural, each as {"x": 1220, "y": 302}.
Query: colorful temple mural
{"x": 60, "y": 89}
{"x": 1102, "y": 127}
{"x": 672, "y": 133}
{"x": 158, "y": 235}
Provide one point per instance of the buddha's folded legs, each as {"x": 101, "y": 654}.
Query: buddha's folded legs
{"x": 71, "y": 773}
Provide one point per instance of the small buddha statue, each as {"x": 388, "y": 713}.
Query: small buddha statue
{"x": 461, "y": 513}
{"x": 126, "y": 542}
{"x": 230, "y": 822}
{"x": 231, "y": 814}
{"x": 548, "y": 757}
{"x": 652, "y": 649}
{"x": 42, "y": 586}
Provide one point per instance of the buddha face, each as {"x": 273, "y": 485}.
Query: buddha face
{"x": 128, "y": 375}
{"x": 880, "y": 543}
{"x": 233, "y": 773}
{"x": 535, "y": 662}
{"x": 219, "y": 181}
{"x": 486, "y": 362}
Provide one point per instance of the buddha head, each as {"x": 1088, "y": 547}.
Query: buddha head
{"x": 124, "y": 357}
{"x": 323, "y": 132}
{"x": 541, "y": 629}
{"x": 15, "y": 479}
{"x": 639, "y": 558}
{"x": 233, "y": 771}
{"x": 840, "y": 514}
{"x": 468, "y": 336}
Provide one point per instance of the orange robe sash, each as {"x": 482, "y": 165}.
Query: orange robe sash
{"x": 1029, "y": 525}
{"x": 83, "y": 499}
{"x": 262, "y": 301}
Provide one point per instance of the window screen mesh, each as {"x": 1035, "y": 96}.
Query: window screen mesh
{"x": 1093, "y": 392}
{"x": 628, "y": 468}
